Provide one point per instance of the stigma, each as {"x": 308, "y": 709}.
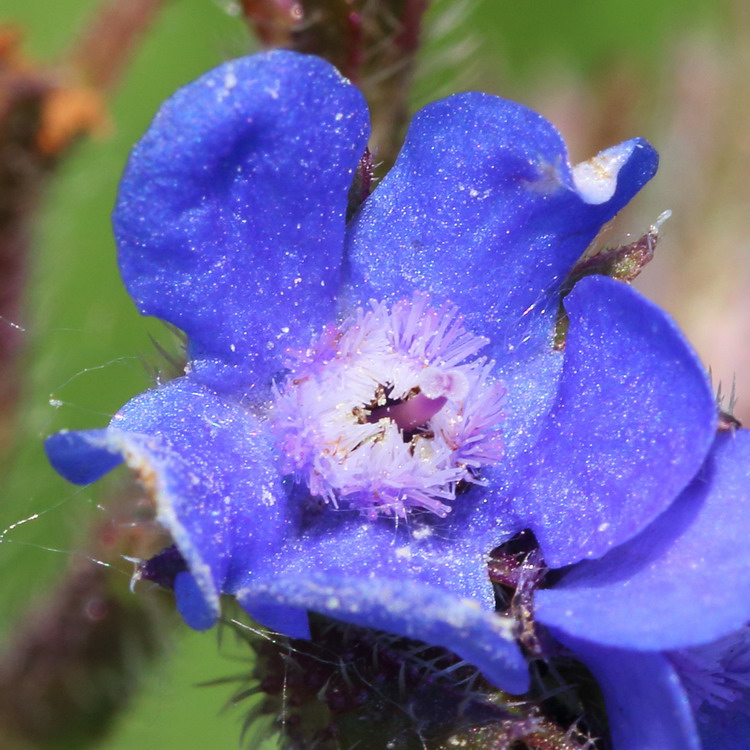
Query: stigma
{"x": 390, "y": 412}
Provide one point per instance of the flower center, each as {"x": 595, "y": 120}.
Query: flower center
{"x": 391, "y": 411}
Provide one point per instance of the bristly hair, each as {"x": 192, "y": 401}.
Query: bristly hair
{"x": 352, "y": 686}
{"x": 348, "y": 680}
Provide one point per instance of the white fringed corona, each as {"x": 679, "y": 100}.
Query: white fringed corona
{"x": 391, "y": 410}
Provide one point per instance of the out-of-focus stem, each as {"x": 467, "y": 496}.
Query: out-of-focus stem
{"x": 372, "y": 42}
{"x": 44, "y": 110}
{"x": 72, "y": 662}
{"x": 75, "y": 659}
{"x": 107, "y": 42}
{"x": 272, "y": 20}
{"x": 20, "y": 106}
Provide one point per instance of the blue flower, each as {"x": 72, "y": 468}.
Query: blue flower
{"x": 661, "y": 619}
{"x": 370, "y": 408}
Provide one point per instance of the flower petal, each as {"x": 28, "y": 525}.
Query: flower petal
{"x": 230, "y": 217}
{"x": 647, "y": 707}
{"x": 634, "y": 419}
{"x": 531, "y": 384}
{"x": 209, "y": 467}
{"x": 192, "y": 604}
{"x": 681, "y": 582}
{"x": 82, "y": 457}
{"x": 482, "y": 208}
{"x": 724, "y": 728}
{"x": 384, "y": 577}
{"x": 408, "y": 609}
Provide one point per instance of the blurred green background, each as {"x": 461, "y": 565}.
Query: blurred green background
{"x": 86, "y": 346}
